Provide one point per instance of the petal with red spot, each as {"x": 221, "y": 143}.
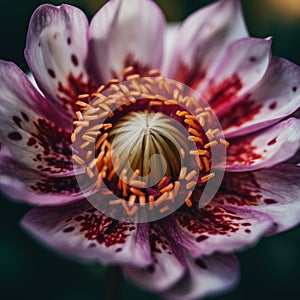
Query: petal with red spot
{"x": 275, "y": 97}
{"x": 202, "y": 40}
{"x": 82, "y": 232}
{"x": 264, "y": 148}
{"x": 126, "y": 33}
{"x": 56, "y": 52}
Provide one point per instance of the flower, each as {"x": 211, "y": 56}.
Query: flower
{"x": 190, "y": 252}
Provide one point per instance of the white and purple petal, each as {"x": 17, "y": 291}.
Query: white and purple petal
{"x": 272, "y": 191}
{"x": 82, "y": 232}
{"x": 202, "y": 41}
{"x": 126, "y": 33}
{"x": 276, "y": 96}
{"x": 220, "y": 228}
{"x": 35, "y": 186}
{"x": 32, "y": 128}
{"x": 56, "y": 52}
{"x": 241, "y": 68}
{"x": 168, "y": 262}
{"x": 206, "y": 276}
{"x": 264, "y": 148}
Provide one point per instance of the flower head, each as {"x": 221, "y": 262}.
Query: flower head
{"x": 117, "y": 147}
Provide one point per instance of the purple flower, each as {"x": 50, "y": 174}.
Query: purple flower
{"x": 189, "y": 253}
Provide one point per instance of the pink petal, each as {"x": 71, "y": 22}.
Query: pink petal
{"x": 242, "y": 67}
{"x": 264, "y": 148}
{"x": 169, "y": 45}
{"x": 31, "y": 127}
{"x": 126, "y": 33}
{"x": 221, "y": 228}
{"x": 26, "y": 184}
{"x": 82, "y": 232}
{"x": 273, "y": 191}
{"x": 168, "y": 264}
{"x": 203, "y": 39}
{"x": 206, "y": 276}
{"x": 275, "y": 97}
{"x": 56, "y": 52}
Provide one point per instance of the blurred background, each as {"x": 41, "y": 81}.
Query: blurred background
{"x": 27, "y": 270}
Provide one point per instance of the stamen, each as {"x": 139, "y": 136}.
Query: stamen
{"x": 137, "y": 192}
{"x": 168, "y": 188}
{"x": 210, "y": 144}
{"x": 126, "y": 139}
{"x": 207, "y": 177}
{"x": 224, "y": 142}
{"x": 161, "y": 199}
{"x": 78, "y": 159}
{"x": 190, "y": 175}
{"x": 164, "y": 209}
{"x": 134, "y": 76}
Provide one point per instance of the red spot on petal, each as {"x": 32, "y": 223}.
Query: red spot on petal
{"x": 138, "y": 67}
{"x": 273, "y": 105}
{"x": 74, "y": 60}
{"x": 247, "y": 230}
{"x": 62, "y": 185}
{"x": 223, "y": 94}
{"x": 51, "y": 73}
{"x": 294, "y": 89}
{"x": 201, "y": 238}
{"x": 191, "y": 76}
{"x": 31, "y": 141}
{"x": 270, "y": 201}
{"x": 272, "y": 142}
{"x": 242, "y": 112}
{"x": 246, "y": 224}
{"x": 241, "y": 151}
{"x": 69, "y": 229}
{"x": 25, "y": 117}
{"x": 15, "y": 136}
{"x": 69, "y": 41}
{"x": 56, "y": 144}
{"x": 17, "y": 121}
{"x": 75, "y": 86}
{"x": 102, "y": 229}
{"x": 211, "y": 220}
{"x": 240, "y": 189}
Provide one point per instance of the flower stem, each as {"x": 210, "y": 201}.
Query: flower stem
{"x": 113, "y": 283}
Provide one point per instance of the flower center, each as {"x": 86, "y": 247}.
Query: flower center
{"x": 148, "y": 142}
{"x": 143, "y": 145}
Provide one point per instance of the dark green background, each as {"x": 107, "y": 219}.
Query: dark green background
{"x": 29, "y": 271}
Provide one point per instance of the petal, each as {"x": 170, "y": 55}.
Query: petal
{"x": 243, "y": 66}
{"x": 56, "y": 52}
{"x": 220, "y": 228}
{"x": 168, "y": 264}
{"x": 31, "y": 128}
{"x": 26, "y": 184}
{"x": 264, "y": 148}
{"x": 206, "y": 276}
{"x": 203, "y": 39}
{"x": 276, "y": 97}
{"x": 82, "y": 232}
{"x": 126, "y": 33}
{"x": 169, "y": 45}
{"x": 273, "y": 191}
